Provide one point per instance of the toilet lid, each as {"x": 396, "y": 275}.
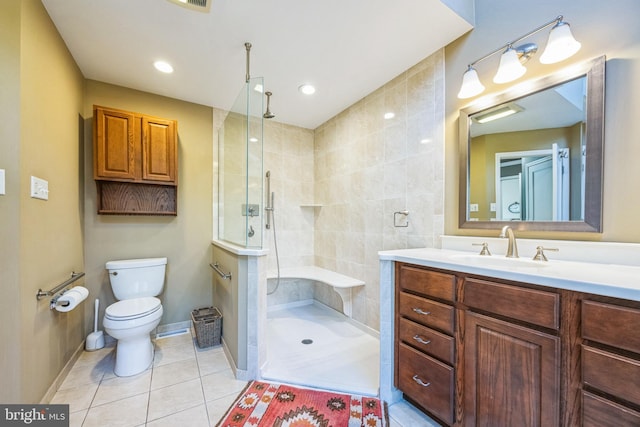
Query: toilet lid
{"x": 132, "y": 308}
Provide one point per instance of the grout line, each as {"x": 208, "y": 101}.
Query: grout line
{"x": 204, "y": 396}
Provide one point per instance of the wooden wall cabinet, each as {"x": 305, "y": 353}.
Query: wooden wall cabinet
{"x": 498, "y": 353}
{"x": 135, "y": 163}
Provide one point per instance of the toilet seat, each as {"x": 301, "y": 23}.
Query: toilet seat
{"x": 131, "y": 309}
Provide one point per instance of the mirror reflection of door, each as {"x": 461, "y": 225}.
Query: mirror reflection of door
{"x": 510, "y": 201}
{"x": 538, "y": 188}
{"x": 533, "y": 185}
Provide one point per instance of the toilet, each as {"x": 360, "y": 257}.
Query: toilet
{"x": 130, "y": 320}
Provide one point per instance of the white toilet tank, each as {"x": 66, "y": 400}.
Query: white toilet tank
{"x": 136, "y": 278}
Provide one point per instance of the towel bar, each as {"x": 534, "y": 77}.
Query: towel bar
{"x": 222, "y": 274}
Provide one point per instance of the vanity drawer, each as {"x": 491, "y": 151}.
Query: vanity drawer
{"x": 431, "y": 342}
{"x": 428, "y": 283}
{"x": 427, "y": 312}
{"x": 599, "y": 412}
{"x": 611, "y": 373}
{"x": 529, "y": 305}
{"x": 600, "y": 319}
{"x": 426, "y": 381}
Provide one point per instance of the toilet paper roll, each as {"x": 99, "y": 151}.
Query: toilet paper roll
{"x": 73, "y": 296}
{"x": 82, "y": 290}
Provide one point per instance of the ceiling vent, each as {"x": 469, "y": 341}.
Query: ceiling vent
{"x": 199, "y": 5}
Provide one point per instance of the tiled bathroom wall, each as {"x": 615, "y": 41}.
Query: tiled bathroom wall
{"x": 288, "y": 154}
{"x": 367, "y": 167}
{"x": 337, "y": 188}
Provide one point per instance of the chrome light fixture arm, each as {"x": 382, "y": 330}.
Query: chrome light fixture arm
{"x": 560, "y": 45}
{"x": 511, "y": 43}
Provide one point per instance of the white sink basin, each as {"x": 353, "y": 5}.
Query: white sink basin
{"x": 497, "y": 261}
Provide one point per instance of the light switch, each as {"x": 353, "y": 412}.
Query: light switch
{"x": 39, "y": 188}
{"x": 492, "y": 207}
{"x": 473, "y": 207}
{"x": 2, "y": 191}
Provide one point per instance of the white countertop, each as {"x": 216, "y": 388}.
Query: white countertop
{"x": 620, "y": 281}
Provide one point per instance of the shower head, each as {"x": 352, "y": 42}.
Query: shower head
{"x": 268, "y": 114}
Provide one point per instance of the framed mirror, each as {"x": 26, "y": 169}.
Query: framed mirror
{"x": 533, "y": 158}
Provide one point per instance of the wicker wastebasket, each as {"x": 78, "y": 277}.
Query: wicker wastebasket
{"x": 207, "y": 322}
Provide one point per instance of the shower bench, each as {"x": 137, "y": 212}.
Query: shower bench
{"x": 339, "y": 282}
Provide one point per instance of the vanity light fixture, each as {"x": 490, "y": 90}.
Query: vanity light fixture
{"x": 163, "y": 66}
{"x": 560, "y": 46}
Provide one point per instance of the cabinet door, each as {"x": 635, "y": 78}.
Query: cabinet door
{"x": 511, "y": 374}
{"x": 115, "y": 145}
{"x": 159, "y": 148}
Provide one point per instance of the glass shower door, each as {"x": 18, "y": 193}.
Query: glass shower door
{"x": 240, "y": 209}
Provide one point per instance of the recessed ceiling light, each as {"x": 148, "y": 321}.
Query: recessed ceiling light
{"x": 163, "y": 66}
{"x": 307, "y": 89}
{"x": 389, "y": 115}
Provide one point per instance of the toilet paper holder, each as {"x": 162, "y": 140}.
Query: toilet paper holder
{"x": 54, "y": 301}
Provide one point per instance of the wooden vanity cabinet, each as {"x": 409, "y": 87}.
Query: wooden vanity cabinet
{"x": 511, "y": 369}
{"x": 610, "y": 364}
{"x": 479, "y": 351}
{"x": 493, "y": 356}
{"x": 135, "y": 162}
{"x": 425, "y": 346}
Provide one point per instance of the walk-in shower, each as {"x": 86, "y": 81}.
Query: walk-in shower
{"x": 289, "y": 330}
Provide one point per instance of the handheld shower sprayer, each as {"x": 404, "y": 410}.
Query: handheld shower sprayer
{"x": 269, "y": 212}
{"x": 269, "y": 202}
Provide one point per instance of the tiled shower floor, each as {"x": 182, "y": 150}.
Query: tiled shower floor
{"x": 342, "y": 357}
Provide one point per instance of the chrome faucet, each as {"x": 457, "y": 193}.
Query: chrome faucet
{"x": 512, "y": 247}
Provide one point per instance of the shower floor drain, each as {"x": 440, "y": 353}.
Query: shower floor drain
{"x": 307, "y": 341}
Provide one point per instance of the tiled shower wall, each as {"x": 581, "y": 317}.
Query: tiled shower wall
{"x": 368, "y": 167}
{"x": 288, "y": 154}
{"x": 360, "y": 168}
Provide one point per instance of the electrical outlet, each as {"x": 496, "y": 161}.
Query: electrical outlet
{"x": 473, "y": 207}
{"x": 39, "y": 188}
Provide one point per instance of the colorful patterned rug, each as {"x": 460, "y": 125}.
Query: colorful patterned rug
{"x": 278, "y": 405}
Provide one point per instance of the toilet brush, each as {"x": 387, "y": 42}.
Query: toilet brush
{"x": 95, "y": 340}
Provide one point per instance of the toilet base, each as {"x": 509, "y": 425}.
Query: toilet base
{"x": 133, "y": 356}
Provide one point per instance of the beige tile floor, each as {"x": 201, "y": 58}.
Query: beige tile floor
{"x": 186, "y": 386}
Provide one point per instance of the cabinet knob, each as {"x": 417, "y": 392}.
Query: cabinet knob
{"x": 420, "y": 311}
{"x": 420, "y": 340}
{"x": 419, "y": 381}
